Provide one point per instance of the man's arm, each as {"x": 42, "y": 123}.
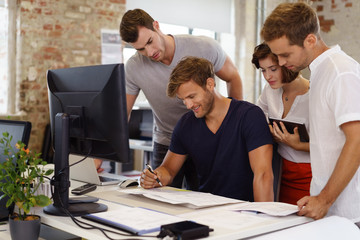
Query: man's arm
{"x": 261, "y": 165}
{"x": 130, "y": 101}
{"x": 348, "y": 163}
{"x": 230, "y": 75}
{"x": 165, "y": 172}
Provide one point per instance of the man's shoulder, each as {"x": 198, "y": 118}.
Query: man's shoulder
{"x": 193, "y": 39}
{"x": 245, "y": 110}
{"x": 241, "y": 105}
{"x": 188, "y": 117}
{"x": 185, "y": 124}
{"x": 139, "y": 64}
{"x": 336, "y": 61}
{"x": 136, "y": 59}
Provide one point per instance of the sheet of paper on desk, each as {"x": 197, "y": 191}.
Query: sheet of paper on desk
{"x": 190, "y": 199}
{"x": 329, "y": 228}
{"x": 270, "y": 208}
{"x": 227, "y": 218}
{"x": 133, "y": 219}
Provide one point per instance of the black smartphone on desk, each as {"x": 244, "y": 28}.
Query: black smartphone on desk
{"x": 84, "y": 189}
{"x": 304, "y": 137}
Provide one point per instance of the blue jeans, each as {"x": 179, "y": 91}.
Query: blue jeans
{"x": 187, "y": 176}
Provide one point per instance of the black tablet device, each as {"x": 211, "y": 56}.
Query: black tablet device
{"x": 304, "y": 137}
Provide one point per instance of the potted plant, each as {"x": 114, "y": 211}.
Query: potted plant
{"x": 21, "y": 174}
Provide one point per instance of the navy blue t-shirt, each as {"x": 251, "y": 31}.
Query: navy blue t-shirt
{"x": 222, "y": 159}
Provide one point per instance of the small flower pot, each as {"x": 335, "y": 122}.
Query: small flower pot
{"x": 24, "y": 229}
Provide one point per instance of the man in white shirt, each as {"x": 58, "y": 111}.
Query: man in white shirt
{"x": 292, "y": 32}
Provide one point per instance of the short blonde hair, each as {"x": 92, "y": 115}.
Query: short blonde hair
{"x": 190, "y": 68}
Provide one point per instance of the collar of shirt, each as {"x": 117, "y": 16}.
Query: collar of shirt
{"x": 317, "y": 61}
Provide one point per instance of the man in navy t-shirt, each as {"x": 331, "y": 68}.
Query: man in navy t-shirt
{"x": 228, "y": 140}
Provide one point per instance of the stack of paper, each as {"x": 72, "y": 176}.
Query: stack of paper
{"x": 189, "y": 199}
{"x": 270, "y": 208}
{"x": 134, "y": 220}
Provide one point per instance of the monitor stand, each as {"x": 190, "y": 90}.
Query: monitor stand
{"x": 76, "y": 209}
{"x": 62, "y": 204}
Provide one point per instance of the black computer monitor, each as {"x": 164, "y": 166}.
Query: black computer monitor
{"x": 20, "y": 131}
{"x": 88, "y": 116}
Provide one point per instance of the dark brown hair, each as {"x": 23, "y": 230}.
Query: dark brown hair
{"x": 190, "y": 68}
{"x": 263, "y": 51}
{"x": 130, "y": 22}
{"x": 294, "y": 20}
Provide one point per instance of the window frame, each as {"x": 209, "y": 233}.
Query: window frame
{"x": 10, "y": 69}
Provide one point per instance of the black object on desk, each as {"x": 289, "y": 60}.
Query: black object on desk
{"x": 84, "y": 189}
{"x": 184, "y": 230}
{"x": 88, "y": 117}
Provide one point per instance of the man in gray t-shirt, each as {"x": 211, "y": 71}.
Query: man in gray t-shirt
{"x": 150, "y": 68}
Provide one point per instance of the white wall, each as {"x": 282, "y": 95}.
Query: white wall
{"x": 206, "y": 14}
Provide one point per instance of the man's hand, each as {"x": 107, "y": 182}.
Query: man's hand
{"x": 148, "y": 179}
{"x": 313, "y": 206}
{"x": 98, "y": 163}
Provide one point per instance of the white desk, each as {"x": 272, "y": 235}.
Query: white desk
{"x": 114, "y": 198}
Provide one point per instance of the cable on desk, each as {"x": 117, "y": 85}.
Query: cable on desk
{"x": 88, "y": 225}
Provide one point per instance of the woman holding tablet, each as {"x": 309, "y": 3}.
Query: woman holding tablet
{"x": 286, "y": 97}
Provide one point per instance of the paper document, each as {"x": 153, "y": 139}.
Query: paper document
{"x": 189, "y": 199}
{"x": 227, "y": 218}
{"x": 329, "y": 228}
{"x": 133, "y": 219}
{"x": 270, "y": 208}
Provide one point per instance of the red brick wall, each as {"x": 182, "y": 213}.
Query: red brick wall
{"x": 340, "y": 21}
{"x": 57, "y": 34}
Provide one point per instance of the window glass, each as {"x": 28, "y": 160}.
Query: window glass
{"x": 128, "y": 51}
{"x": 3, "y": 57}
{"x": 173, "y": 29}
{"x": 203, "y": 32}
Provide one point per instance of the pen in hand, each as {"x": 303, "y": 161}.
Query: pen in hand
{"x": 151, "y": 170}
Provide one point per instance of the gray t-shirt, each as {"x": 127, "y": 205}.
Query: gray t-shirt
{"x": 152, "y": 78}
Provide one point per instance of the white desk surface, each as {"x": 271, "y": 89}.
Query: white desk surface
{"x": 114, "y": 198}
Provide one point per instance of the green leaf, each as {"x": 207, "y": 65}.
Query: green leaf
{"x": 48, "y": 172}
{"x": 42, "y": 200}
{"x": 9, "y": 202}
{"x": 26, "y": 207}
{"x": 19, "y": 173}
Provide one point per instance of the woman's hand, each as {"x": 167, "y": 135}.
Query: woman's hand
{"x": 280, "y": 134}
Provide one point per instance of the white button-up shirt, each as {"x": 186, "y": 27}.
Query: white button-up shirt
{"x": 270, "y": 101}
{"x": 334, "y": 100}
